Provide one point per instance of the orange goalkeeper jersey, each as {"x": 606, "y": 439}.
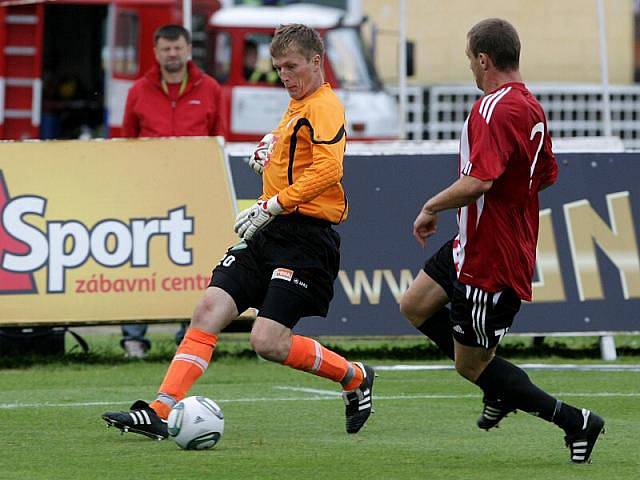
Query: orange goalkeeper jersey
{"x": 305, "y": 166}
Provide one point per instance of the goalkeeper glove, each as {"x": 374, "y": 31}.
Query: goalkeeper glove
{"x": 256, "y": 217}
{"x": 262, "y": 153}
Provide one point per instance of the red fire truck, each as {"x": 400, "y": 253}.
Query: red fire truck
{"x": 257, "y": 103}
{"x": 66, "y": 65}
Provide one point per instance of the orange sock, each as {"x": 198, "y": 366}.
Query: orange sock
{"x": 190, "y": 361}
{"x": 308, "y": 355}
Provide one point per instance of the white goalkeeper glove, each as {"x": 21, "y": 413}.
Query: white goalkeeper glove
{"x": 256, "y": 217}
{"x": 262, "y": 153}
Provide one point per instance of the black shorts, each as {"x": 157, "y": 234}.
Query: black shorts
{"x": 478, "y": 318}
{"x": 286, "y": 270}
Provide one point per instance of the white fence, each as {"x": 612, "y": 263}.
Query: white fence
{"x": 415, "y": 110}
{"x": 572, "y": 111}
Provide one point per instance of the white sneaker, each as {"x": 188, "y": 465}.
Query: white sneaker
{"x": 135, "y": 349}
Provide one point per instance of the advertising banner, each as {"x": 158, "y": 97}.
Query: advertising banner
{"x": 106, "y": 231}
{"x": 588, "y": 264}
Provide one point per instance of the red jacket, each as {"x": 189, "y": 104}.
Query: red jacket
{"x": 199, "y": 111}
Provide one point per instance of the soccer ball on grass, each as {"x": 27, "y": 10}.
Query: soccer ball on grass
{"x": 196, "y": 423}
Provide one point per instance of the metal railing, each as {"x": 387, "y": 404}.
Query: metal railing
{"x": 415, "y": 110}
{"x": 572, "y": 110}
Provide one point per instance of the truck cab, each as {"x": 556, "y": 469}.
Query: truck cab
{"x": 239, "y": 38}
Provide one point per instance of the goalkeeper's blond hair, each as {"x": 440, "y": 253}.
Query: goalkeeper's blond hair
{"x": 297, "y": 38}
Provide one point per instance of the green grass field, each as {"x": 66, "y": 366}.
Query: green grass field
{"x": 283, "y": 424}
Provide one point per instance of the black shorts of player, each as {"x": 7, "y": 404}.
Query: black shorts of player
{"x": 478, "y": 318}
{"x": 286, "y": 270}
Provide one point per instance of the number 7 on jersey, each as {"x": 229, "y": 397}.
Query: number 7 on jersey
{"x": 537, "y": 128}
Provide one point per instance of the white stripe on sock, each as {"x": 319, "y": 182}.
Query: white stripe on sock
{"x": 318, "y": 359}
{"x": 193, "y": 359}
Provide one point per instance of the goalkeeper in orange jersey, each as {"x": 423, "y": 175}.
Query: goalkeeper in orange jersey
{"x": 289, "y": 254}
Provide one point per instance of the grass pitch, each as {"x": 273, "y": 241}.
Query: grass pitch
{"x": 283, "y": 424}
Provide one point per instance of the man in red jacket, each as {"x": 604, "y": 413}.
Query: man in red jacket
{"x": 173, "y": 99}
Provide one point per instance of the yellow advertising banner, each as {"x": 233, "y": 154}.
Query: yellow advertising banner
{"x": 110, "y": 230}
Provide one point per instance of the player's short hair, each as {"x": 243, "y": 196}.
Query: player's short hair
{"x": 498, "y": 39}
{"x": 171, "y": 32}
{"x": 298, "y": 38}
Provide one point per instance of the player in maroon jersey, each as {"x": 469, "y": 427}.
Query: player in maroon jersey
{"x": 486, "y": 270}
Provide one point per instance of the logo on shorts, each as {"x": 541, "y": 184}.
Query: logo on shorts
{"x": 458, "y": 329}
{"x": 282, "y": 274}
{"x": 299, "y": 282}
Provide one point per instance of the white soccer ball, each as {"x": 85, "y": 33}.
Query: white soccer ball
{"x": 196, "y": 423}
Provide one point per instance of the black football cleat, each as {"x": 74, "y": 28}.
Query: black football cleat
{"x": 140, "y": 418}
{"x": 492, "y": 412}
{"x": 582, "y": 442}
{"x": 359, "y": 402}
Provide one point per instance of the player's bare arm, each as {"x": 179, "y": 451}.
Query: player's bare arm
{"x": 462, "y": 192}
